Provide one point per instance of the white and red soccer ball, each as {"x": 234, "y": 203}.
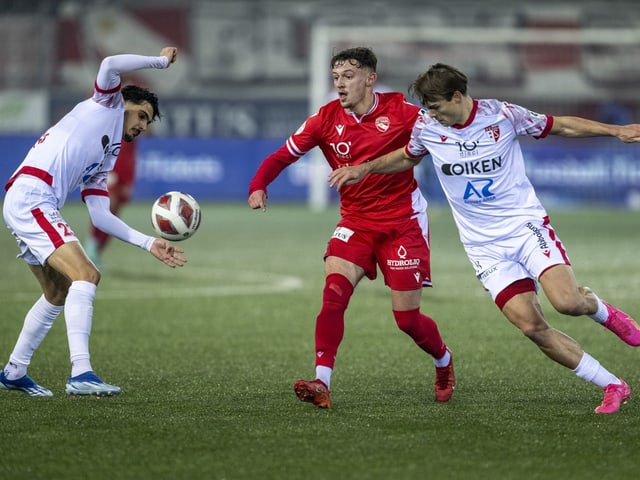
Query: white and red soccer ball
{"x": 175, "y": 216}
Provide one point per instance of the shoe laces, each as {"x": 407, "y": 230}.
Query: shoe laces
{"x": 443, "y": 377}
{"x": 612, "y": 394}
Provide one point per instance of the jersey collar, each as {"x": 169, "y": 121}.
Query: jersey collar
{"x": 471, "y": 118}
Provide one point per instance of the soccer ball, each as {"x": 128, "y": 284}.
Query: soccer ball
{"x": 175, "y": 216}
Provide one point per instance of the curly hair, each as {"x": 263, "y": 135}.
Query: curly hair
{"x": 357, "y": 56}
{"x": 139, "y": 95}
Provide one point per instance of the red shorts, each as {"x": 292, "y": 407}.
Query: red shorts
{"x": 402, "y": 252}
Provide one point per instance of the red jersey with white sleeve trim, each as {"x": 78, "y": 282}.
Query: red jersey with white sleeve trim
{"x": 348, "y": 139}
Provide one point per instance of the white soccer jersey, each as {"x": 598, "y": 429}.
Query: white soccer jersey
{"x": 82, "y": 147}
{"x": 481, "y": 168}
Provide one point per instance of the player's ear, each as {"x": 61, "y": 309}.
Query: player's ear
{"x": 371, "y": 79}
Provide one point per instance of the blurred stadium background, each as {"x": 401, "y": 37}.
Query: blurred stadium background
{"x": 248, "y": 72}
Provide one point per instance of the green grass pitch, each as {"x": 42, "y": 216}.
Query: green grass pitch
{"x": 207, "y": 356}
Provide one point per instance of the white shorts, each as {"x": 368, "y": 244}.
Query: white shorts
{"x": 31, "y": 213}
{"x": 526, "y": 254}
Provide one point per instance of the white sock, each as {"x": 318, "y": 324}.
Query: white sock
{"x": 444, "y": 361}
{"x": 324, "y": 374}
{"x": 602, "y": 313}
{"x": 589, "y": 369}
{"x": 37, "y": 324}
{"x": 78, "y": 313}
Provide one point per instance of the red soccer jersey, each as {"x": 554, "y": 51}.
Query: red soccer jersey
{"x": 348, "y": 139}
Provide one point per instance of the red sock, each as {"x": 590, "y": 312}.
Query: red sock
{"x": 330, "y": 321}
{"x": 423, "y": 330}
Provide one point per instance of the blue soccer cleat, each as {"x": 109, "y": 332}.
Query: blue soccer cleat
{"x": 23, "y": 384}
{"x": 88, "y": 383}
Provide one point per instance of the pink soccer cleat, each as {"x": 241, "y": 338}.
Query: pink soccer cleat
{"x": 623, "y": 326}
{"x": 614, "y": 395}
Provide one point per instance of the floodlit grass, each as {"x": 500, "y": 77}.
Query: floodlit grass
{"x": 207, "y": 355}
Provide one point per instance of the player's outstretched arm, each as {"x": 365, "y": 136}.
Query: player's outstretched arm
{"x": 168, "y": 254}
{"x": 393, "y": 162}
{"x": 577, "y": 127}
{"x": 258, "y": 199}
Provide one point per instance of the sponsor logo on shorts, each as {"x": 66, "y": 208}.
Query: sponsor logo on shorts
{"x": 487, "y": 272}
{"x": 542, "y": 242}
{"x": 403, "y": 262}
{"x": 342, "y": 233}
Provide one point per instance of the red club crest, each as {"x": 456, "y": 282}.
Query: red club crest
{"x": 382, "y": 124}
{"x": 494, "y": 132}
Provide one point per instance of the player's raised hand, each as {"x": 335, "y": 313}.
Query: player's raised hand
{"x": 167, "y": 253}
{"x": 258, "y": 199}
{"x": 346, "y": 176}
{"x": 170, "y": 52}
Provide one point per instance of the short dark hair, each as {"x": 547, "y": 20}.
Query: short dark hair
{"x": 439, "y": 82}
{"x": 356, "y": 56}
{"x": 139, "y": 95}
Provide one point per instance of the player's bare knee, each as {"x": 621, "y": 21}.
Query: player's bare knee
{"x": 89, "y": 274}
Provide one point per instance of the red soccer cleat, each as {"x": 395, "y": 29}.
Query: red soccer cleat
{"x": 314, "y": 391}
{"x": 445, "y": 381}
